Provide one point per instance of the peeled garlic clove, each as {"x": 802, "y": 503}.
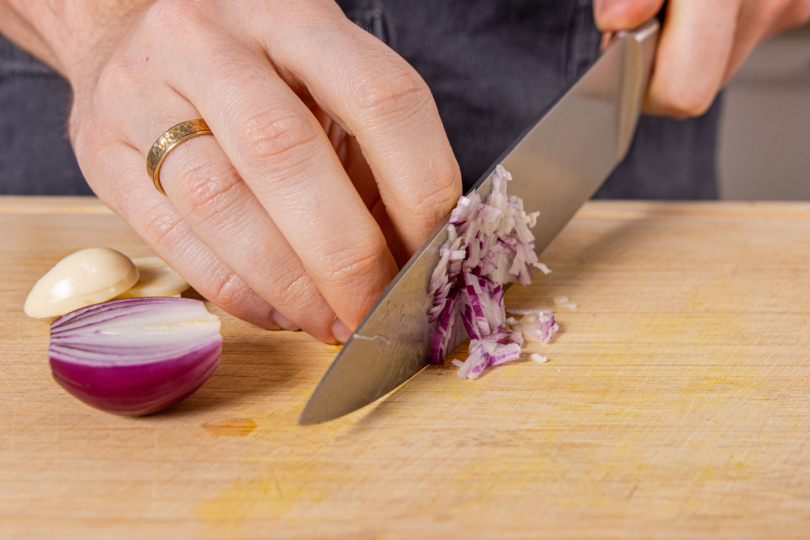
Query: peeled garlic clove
{"x": 87, "y": 277}
{"x": 157, "y": 279}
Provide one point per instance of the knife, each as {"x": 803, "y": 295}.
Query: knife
{"x": 556, "y": 165}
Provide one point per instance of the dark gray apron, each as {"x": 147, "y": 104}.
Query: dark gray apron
{"x": 493, "y": 65}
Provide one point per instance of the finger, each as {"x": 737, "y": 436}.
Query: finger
{"x": 760, "y": 20}
{"x": 117, "y": 174}
{"x": 384, "y": 103}
{"x": 222, "y": 211}
{"x": 615, "y": 15}
{"x": 284, "y": 156}
{"x": 693, "y": 56}
{"x": 363, "y": 179}
{"x": 351, "y": 156}
{"x": 796, "y": 15}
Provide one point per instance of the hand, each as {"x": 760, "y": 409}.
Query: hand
{"x": 328, "y": 156}
{"x": 703, "y": 43}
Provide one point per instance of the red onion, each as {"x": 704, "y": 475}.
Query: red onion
{"x": 489, "y": 244}
{"x": 135, "y": 356}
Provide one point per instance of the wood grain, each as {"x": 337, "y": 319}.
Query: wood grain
{"x": 675, "y": 404}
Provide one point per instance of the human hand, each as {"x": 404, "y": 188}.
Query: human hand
{"x": 703, "y": 43}
{"x": 328, "y": 153}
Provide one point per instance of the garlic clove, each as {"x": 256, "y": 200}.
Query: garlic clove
{"x": 156, "y": 279}
{"x": 87, "y": 277}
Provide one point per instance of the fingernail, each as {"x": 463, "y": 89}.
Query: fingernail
{"x": 341, "y": 331}
{"x": 284, "y": 322}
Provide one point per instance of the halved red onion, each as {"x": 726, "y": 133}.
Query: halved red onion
{"x": 489, "y": 244}
{"x": 135, "y": 356}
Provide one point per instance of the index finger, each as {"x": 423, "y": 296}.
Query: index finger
{"x": 693, "y": 56}
{"x": 615, "y": 15}
{"x": 385, "y": 104}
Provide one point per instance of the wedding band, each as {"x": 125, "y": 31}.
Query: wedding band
{"x": 168, "y": 141}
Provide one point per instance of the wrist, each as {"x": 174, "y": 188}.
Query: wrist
{"x": 69, "y": 35}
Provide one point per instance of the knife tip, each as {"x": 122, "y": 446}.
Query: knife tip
{"x": 313, "y": 414}
{"x": 307, "y": 419}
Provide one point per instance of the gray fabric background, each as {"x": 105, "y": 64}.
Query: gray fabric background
{"x": 35, "y": 154}
{"x": 493, "y": 65}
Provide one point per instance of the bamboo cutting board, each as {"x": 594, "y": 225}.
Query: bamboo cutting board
{"x": 675, "y": 404}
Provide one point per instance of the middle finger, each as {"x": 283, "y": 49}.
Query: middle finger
{"x": 211, "y": 197}
{"x": 280, "y": 150}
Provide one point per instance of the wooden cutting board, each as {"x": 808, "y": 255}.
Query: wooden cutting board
{"x": 676, "y": 404}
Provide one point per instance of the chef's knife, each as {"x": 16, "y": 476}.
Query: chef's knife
{"x": 557, "y": 165}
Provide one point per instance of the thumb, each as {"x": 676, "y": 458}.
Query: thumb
{"x": 614, "y": 15}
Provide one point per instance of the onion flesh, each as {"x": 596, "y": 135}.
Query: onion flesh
{"x": 495, "y": 237}
{"x": 135, "y": 356}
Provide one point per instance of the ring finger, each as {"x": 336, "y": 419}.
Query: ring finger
{"x": 221, "y": 210}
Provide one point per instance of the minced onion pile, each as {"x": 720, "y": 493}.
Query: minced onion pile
{"x": 135, "y": 356}
{"x": 489, "y": 244}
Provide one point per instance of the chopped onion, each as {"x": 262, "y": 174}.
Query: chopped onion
{"x": 135, "y": 356}
{"x": 497, "y": 244}
{"x": 539, "y": 358}
{"x": 564, "y": 301}
{"x": 542, "y": 267}
{"x": 538, "y": 325}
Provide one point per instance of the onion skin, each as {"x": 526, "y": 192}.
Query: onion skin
{"x": 138, "y": 390}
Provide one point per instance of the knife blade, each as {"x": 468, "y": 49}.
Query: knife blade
{"x": 556, "y": 165}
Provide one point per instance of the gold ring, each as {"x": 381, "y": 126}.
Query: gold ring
{"x": 168, "y": 141}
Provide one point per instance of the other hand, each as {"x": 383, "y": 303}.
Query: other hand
{"x": 703, "y": 43}
{"x": 328, "y": 156}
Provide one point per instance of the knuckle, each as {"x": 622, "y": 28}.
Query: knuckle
{"x": 292, "y": 290}
{"x": 160, "y": 228}
{"x": 770, "y": 11}
{"x": 354, "y": 264}
{"x": 123, "y": 73}
{"x": 175, "y": 28}
{"x": 396, "y": 91}
{"x": 227, "y": 290}
{"x": 684, "y": 103}
{"x": 276, "y": 139}
{"x": 444, "y": 191}
{"x": 799, "y": 13}
{"x": 175, "y": 15}
{"x": 207, "y": 190}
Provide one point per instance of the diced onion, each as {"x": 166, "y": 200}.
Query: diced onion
{"x": 542, "y": 267}
{"x": 564, "y": 301}
{"x": 538, "y": 325}
{"x": 497, "y": 244}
